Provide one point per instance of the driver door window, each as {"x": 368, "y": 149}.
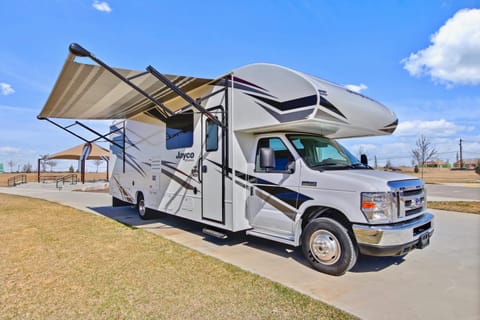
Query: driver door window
{"x": 283, "y": 157}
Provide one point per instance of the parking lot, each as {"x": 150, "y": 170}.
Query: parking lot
{"x": 439, "y": 282}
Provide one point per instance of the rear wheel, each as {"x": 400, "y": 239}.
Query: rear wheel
{"x": 143, "y": 211}
{"x": 328, "y": 247}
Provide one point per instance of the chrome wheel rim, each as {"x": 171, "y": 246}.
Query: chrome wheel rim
{"x": 141, "y": 207}
{"x": 325, "y": 247}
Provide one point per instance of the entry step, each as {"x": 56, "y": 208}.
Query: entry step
{"x": 214, "y": 233}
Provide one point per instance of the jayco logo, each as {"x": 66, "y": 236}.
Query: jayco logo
{"x": 188, "y": 156}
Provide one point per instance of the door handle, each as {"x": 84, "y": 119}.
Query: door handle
{"x": 199, "y": 169}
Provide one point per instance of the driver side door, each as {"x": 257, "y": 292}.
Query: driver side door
{"x": 273, "y": 201}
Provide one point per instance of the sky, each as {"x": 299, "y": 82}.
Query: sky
{"x": 419, "y": 58}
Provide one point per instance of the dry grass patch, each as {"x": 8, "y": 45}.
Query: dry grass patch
{"x": 60, "y": 263}
{"x": 459, "y": 206}
{"x": 444, "y": 175}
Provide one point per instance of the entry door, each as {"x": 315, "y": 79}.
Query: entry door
{"x": 211, "y": 170}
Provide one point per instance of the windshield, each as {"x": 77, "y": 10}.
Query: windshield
{"x": 323, "y": 153}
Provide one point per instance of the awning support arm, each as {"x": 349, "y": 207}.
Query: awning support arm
{"x": 182, "y": 94}
{"x": 199, "y": 100}
{"x": 100, "y": 136}
{"x": 137, "y": 75}
{"x": 78, "y": 50}
{"x": 66, "y": 129}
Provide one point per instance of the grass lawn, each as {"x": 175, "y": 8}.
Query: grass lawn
{"x": 57, "y": 262}
{"x": 460, "y": 206}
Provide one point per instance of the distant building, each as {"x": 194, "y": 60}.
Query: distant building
{"x": 468, "y": 163}
{"x": 437, "y": 164}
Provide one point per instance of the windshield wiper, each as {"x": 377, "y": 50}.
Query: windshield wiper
{"x": 333, "y": 165}
{"x": 358, "y": 165}
{"x": 325, "y": 164}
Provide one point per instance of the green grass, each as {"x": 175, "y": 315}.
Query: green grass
{"x": 60, "y": 263}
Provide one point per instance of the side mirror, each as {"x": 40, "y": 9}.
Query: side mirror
{"x": 291, "y": 166}
{"x": 267, "y": 158}
{"x": 364, "y": 159}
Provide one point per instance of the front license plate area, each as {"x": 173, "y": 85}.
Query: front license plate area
{"x": 423, "y": 241}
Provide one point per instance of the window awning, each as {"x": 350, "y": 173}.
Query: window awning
{"x": 85, "y": 91}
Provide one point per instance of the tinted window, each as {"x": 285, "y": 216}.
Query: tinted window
{"x": 283, "y": 157}
{"x": 180, "y": 131}
{"x": 212, "y": 136}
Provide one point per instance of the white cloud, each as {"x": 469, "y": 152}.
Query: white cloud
{"x": 17, "y": 109}
{"x": 9, "y": 150}
{"x": 356, "y": 88}
{"x": 102, "y": 6}
{"x": 434, "y": 128}
{"x": 453, "y": 56}
{"x": 6, "y": 89}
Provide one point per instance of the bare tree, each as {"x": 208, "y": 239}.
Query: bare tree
{"x": 11, "y": 164}
{"x": 43, "y": 161}
{"x": 423, "y": 152}
{"x": 98, "y": 163}
{"x": 27, "y": 168}
{"x": 388, "y": 165}
{"x": 51, "y": 164}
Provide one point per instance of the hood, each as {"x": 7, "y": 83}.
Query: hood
{"x": 364, "y": 180}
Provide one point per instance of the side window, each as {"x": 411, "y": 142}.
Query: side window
{"x": 211, "y": 138}
{"x": 283, "y": 157}
{"x": 180, "y": 131}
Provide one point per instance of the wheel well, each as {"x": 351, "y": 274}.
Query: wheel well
{"x": 137, "y": 196}
{"x": 325, "y": 212}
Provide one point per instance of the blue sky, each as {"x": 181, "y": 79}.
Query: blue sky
{"x": 420, "y": 58}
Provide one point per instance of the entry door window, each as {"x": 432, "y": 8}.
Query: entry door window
{"x": 211, "y": 138}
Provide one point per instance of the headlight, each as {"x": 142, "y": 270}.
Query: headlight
{"x": 377, "y": 207}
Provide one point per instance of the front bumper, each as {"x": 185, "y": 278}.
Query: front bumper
{"x": 394, "y": 239}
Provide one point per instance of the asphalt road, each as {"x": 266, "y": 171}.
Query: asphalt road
{"x": 441, "y": 281}
{"x": 449, "y": 192}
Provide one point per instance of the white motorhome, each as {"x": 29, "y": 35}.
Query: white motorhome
{"x": 253, "y": 150}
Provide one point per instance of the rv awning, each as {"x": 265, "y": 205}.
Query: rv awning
{"x": 85, "y": 91}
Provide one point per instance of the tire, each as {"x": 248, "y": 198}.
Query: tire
{"x": 328, "y": 247}
{"x": 143, "y": 212}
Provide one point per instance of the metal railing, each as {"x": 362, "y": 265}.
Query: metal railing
{"x": 72, "y": 178}
{"x": 16, "y": 180}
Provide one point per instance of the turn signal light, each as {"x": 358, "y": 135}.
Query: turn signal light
{"x": 368, "y": 205}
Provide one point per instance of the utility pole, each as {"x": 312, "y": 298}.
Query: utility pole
{"x": 461, "y": 156}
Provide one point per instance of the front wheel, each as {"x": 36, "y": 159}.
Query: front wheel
{"x": 328, "y": 247}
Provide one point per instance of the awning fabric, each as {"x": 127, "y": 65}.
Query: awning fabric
{"x": 85, "y": 91}
{"x": 75, "y": 153}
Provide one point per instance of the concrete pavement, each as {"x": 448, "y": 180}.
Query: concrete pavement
{"x": 439, "y": 282}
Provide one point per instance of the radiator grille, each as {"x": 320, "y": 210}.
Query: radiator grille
{"x": 410, "y": 198}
